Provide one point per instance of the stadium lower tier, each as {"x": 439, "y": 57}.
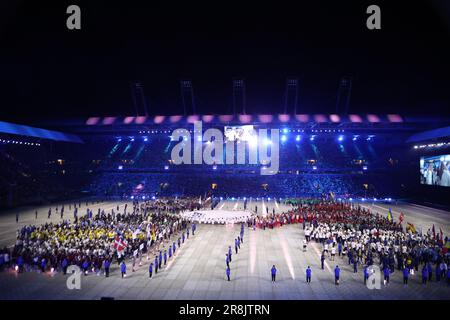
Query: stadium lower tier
{"x": 113, "y": 184}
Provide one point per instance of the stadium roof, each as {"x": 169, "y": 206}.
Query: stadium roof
{"x": 22, "y": 130}
{"x": 430, "y": 135}
{"x": 247, "y": 119}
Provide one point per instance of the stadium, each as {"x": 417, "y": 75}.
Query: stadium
{"x": 178, "y": 195}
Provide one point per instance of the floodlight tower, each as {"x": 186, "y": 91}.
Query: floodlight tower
{"x": 291, "y": 96}
{"x": 187, "y": 97}
{"x": 139, "y": 100}
{"x": 239, "y": 99}
{"x": 344, "y": 95}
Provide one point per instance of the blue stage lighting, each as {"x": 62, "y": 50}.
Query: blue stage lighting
{"x": 132, "y": 197}
{"x": 285, "y": 130}
{"x": 341, "y": 138}
{"x": 298, "y": 138}
{"x": 120, "y": 167}
{"x": 364, "y": 168}
{"x": 132, "y": 139}
{"x": 166, "y": 167}
{"x": 312, "y": 138}
{"x": 214, "y": 167}
{"x": 153, "y": 198}
{"x": 283, "y": 138}
{"x": 314, "y": 168}
{"x": 145, "y": 139}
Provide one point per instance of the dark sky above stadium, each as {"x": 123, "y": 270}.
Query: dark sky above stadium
{"x": 50, "y": 71}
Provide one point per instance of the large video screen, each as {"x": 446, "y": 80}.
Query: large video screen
{"x": 434, "y": 170}
{"x": 240, "y": 133}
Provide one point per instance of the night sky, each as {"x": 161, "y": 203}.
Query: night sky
{"x": 48, "y": 71}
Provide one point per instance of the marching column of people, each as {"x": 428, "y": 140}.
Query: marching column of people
{"x": 237, "y": 246}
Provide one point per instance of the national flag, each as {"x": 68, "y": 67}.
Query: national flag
{"x": 434, "y": 232}
{"x": 401, "y": 217}
{"x": 410, "y": 227}
{"x": 389, "y": 216}
{"x": 441, "y": 235}
{"x": 120, "y": 243}
{"x": 447, "y": 244}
